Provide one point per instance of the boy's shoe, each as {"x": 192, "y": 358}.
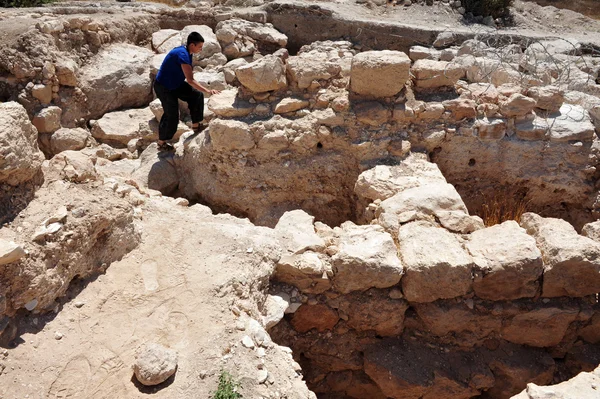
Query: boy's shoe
{"x": 166, "y": 147}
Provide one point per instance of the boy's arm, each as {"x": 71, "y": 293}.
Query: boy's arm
{"x": 189, "y": 76}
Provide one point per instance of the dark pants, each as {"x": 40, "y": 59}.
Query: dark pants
{"x": 168, "y": 98}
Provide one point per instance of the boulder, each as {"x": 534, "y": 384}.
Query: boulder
{"x": 228, "y": 135}
{"x": 367, "y": 257}
{"x": 43, "y": 93}
{"x": 308, "y": 271}
{"x": 549, "y": 98}
{"x": 289, "y": 104}
{"x": 120, "y": 127}
{"x": 592, "y": 230}
{"x": 543, "y": 327}
{"x": 421, "y": 202}
{"x": 10, "y": 252}
{"x": 379, "y": 73}
{"x": 265, "y": 74}
{"x": 490, "y": 129}
{"x": 508, "y": 264}
{"x": 67, "y": 71}
{"x": 296, "y": 233}
{"x": 117, "y": 77}
{"x": 423, "y": 53}
{"x": 165, "y": 40}
{"x": 531, "y": 130}
{"x": 571, "y": 261}
{"x": 230, "y": 68}
{"x": 437, "y": 266}
{"x": 582, "y": 386}
{"x": 211, "y": 80}
{"x": 431, "y": 74}
{"x": 155, "y": 172}
{"x": 517, "y": 105}
{"x": 73, "y": 166}
{"x": 274, "y": 309}
{"x": 308, "y": 67}
{"x": 154, "y": 364}
{"x": 461, "y": 108}
{"x": 239, "y": 38}
{"x": 374, "y": 310}
{"x": 382, "y": 181}
{"x": 20, "y": 157}
{"x": 47, "y": 120}
{"x": 227, "y": 104}
{"x": 69, "y": 139}
{"x": 572, "y": 123}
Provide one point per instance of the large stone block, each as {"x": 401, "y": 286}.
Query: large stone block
{"x": 379, "y": 73}
{"x": 508, "y": 263}
{"x": 230, "y": 135}
{"x": 367, "y": 258}
{"x": 265, "y": 74}
{"x": 430, "y": 74}
{"x": 437, "y": 266}
{"x": 571, "y": 261}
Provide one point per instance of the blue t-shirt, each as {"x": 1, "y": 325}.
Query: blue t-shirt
{"x": 170, "y": 73}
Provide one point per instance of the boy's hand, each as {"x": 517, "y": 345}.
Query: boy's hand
{"x": 214, "y": 91}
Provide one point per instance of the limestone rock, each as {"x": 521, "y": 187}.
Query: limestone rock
{"x": 379, "y": 73}
{"x": 308, "y": 67}
{"x": 73, "y": 166}
{"x": 165, "y": 40}
{"x": 421, "y": 202}
{"x": 10, "y": 252}
{"x": 42, "y": 93}
{"x": 437, "y": 266}
{"x": 459, "y": 222}
{"x": 531, "y": 130}
{"x": 67, "y": 71}
{"x": 154, "y": 364}
{"x": 517, "y": 105}
{"x": 274, "y": 309}
{"x": 289, "y": 104}
{"x": 549, "y": 98}
{"x": 297, "y": 233}
{"x": 20, "y": 157}
{"x": 47, "y": 120}
{"x": 461, "y": 108}
{"x": 228, "y": 105}
{"x": 571, "y": 262}
{"x": 265, "y": 74}
{"x": 573, "y": 123}
{"x": 320, "y": 317}
{"x": 69, "y": 139}
{"x": 429, "y": 74}
{"x": 211, "y": 80}
{"x": 120, "y": 127}
{"x": 155, "y": 172}
{"x": 239, "y": 38}
{"x": 423, "y": 53}
{"x": 490, "y": 129}
{"x": 508, "y": 262}
{"x": 308, "y": 271}
{"x": 382, "y": 181}
{"x": 230, "y": 68}
{"x": 230, "y": 135}
{"x": 373, "y": 310}
{"x": 592, "y": 230}
{"x": 367, "y": 257}
{"x": 117, "y": 77}
{"x": 444, "y": 39}
{"x": 582, "y": 386}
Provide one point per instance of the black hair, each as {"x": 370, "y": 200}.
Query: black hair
{"x": 194, "y": 38}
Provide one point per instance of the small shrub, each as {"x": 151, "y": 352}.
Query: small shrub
{"x": 228, "y": 388}
{"x": 503, "y": 206}
{"x": 495, "y": 8}
{"x": 23, "y": 3}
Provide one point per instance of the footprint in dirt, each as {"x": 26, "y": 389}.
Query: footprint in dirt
{"x": 72, "y": 381}
{"x": 149, "y": 271}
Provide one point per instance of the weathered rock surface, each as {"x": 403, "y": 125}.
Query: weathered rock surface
{"x": 437, "y": 266}
{"x": 265, "y": 74}
{"x": 154, "y": 364}
{"x": 367, "y": 257}
{"x": 47, "y": 120}
{"x": 429, "y": 74}
{"x": 65, "y": 139}
{"x": 379, "y": 73}
{"x": 571, "y": 262}
{"x": 119, "y": 127}
{"x": 508, "y": 263}
{"x": 20, "y": 157}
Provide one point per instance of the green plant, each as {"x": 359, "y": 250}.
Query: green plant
{"x": 23, "y": 3}
{"x": 495, "y": 8}
{"x": 228, "y": 388}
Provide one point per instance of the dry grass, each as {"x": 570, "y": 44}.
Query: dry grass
{"x": 503, "y": 205}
